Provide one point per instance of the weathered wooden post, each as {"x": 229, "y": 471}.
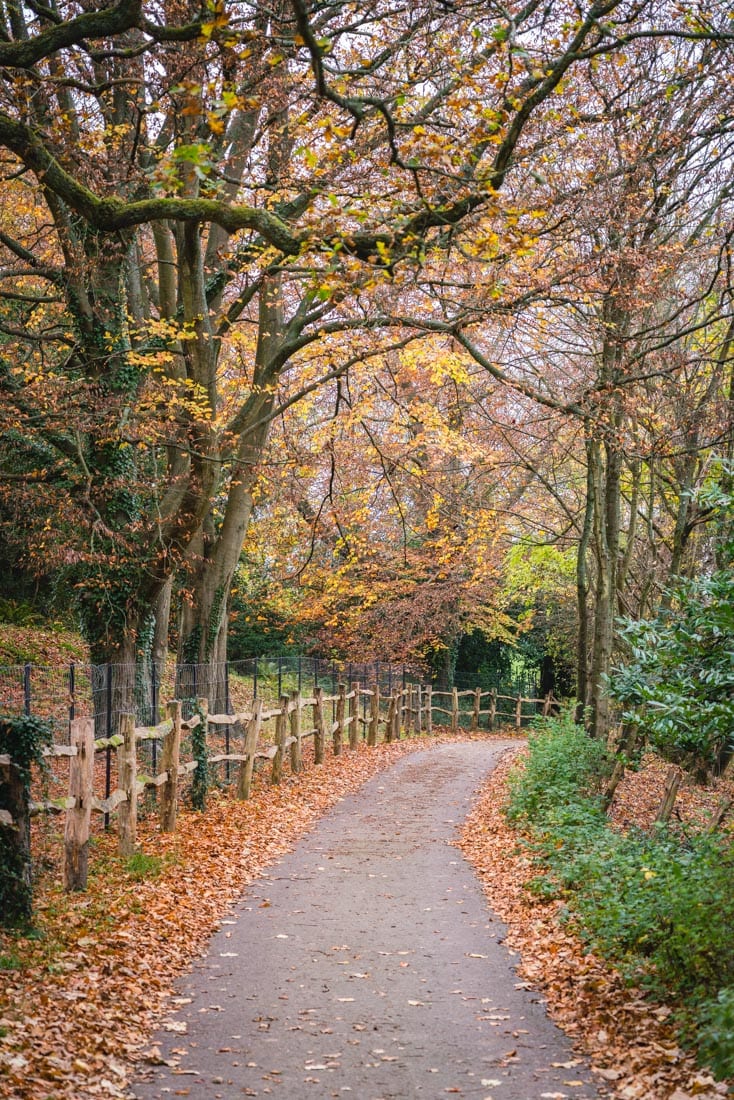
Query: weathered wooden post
{"x": 477, "y": 708}
{"x": 127, "y": 812}
{"x": 296, "y": 753}
{"x": 281, "y": 730}
{"x": 170, "y": 764}
{"x": 492, "y": 709}
{"x": 374, "y": 725}
{"x": 318, "y": 721}
{"x": 723, "y": 808}
{"x": 454, "y": 710}
{"x": 341, "y": 706}
{"x": 81, "y": 788}
{"x": 429, "y": 709}
{"x": 252, "y": 734}
{"x": 418, "y": 709}
{"x": 518, "y": 712}
{"x": 390, "y": 725}
{"x": 409, "y": 708}
{"x": 672, "y": 783}
{"x": 354, "y": 715}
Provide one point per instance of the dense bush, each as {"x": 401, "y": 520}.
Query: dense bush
{"x": 659, "y": 906}
{"x": 677, "y": 685}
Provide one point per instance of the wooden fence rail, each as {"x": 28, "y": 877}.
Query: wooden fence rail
{"x": 410, "y": 710}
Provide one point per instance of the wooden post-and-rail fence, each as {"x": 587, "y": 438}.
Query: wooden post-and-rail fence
{"x": 335, "y": 717}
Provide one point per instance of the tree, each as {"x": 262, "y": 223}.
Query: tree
{"x": 617, "y": 295}
{"x": 380, "y": 515}
{"x": 187, "y": 174}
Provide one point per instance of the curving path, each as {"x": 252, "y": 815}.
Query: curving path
{"x": 366, "y": 964}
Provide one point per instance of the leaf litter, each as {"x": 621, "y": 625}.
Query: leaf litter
{"x": 83, "y": 992}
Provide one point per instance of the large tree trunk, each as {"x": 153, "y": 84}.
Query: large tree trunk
{"x": 203, "y": 632}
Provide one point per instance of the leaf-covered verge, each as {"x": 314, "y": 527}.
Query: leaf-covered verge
{"x": 27, "y": 643}
{"x": 624, "y": 930}
{"x": 81, "y": 992}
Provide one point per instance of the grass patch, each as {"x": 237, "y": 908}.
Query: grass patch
{"x": 141, "y": 866}
{"x": 658, "y": 905}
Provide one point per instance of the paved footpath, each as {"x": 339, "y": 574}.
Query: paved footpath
{"x": 366, "y": 964}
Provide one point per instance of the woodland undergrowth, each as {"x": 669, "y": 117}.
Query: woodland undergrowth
{"x": 626, "y": 928}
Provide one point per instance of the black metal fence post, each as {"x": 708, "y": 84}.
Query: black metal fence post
{"x": 27, "y": 702}
{"x": 108, "y": 750}
{"x": 72, "y": 691}
{"x": 154, "y": 717}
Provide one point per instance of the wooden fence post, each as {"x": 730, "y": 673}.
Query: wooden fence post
{"x": 169, "y": 763}
{"x": 354, "y": 715}
{"x": 252, "y": 734}
{"x": 454, "y": 711}
{"x": 374, "y": 725}
{"x": 281, "y": 730}
{"x": 518, "y": 712}
{"x": 390, "y": 725}
{"x": 429, "y": 709}
{"x": 722, "y": 810}
{"x": 492, "y": 709}
{"x": 672, "y": 783}
{"x": 341, "y": 706}
{"x": 76, "y": 829}
{"x": 477, "y": 708}
{"x": 127, "y": 812}
{"x": 399, "y": 713}
{"x": 409, "y": 708}
{"x": 320, "y": 735}
{"x": 547, "y": 704}
{"x": 296, "y": 754}
{"x": 418, "y": 710}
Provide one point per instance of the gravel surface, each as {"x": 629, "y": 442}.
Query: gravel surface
{"x": 366, "y": 964}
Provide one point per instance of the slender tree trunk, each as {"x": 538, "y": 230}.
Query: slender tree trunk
{"x": 606, "y": 499}
{"x": 582, "y": 592}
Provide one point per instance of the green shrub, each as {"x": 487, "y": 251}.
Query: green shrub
{"x": 658, "y": 906}
{"x": 677, "y": 686}
{"x": 716, "y": 1030}
{"x": 563, "y": 761}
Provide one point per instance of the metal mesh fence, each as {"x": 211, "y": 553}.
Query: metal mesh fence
{"x": 105, "y": 691}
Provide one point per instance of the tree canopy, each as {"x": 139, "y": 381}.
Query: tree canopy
{"x": 413, "y": 286}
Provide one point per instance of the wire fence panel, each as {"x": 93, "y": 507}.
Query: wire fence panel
{"x": 104, "y": 692}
